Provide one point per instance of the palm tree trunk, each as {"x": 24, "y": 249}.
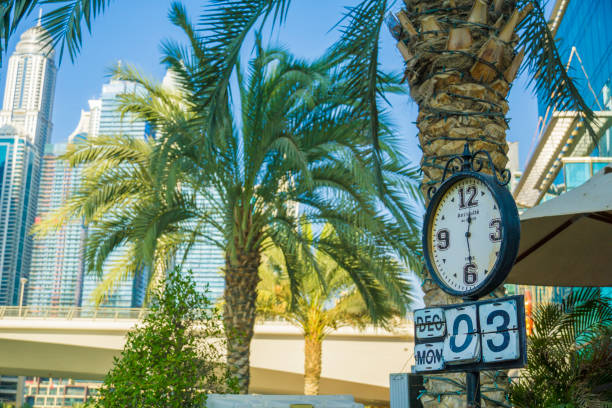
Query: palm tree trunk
{"x": 460, "y": 62}
{"x": 240, "y": 294}
{"x": 312, "y": 363}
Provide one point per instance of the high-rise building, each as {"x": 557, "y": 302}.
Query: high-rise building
{"x": 205, "y": 260}
{"x": 57, "y": 270}
{"x": 25, "y": 128}
{"x": 564, "y": 154}
{"x": 58, "y": 275}
{"x": 105, "y": 119}
{"x": 110, "y": 120}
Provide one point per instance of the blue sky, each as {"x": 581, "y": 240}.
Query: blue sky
{"x": 131, "y": 31}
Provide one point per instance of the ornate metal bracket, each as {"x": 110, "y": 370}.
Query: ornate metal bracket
{"x": 474, "y": 162}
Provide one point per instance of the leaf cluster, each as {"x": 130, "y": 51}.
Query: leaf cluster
{"x": 11, "y": 13}
{"x": 327, "y": 297}
{"x": 295, "y": 143}
{"x": 125, "y": 209}
{"x": 237, "y": 166}
{"x": 569, "y": 355}
{"x": 174, "y": 357}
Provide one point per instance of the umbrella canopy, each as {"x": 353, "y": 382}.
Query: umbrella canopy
{"x": 567, "y": 241}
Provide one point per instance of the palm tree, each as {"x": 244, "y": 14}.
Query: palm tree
{"x": 284, "y": 138}
{"x": 327, "y": 299}
{"x": 570, "y": 354}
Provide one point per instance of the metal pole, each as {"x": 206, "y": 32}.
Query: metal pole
{"x": 473, "y": 389}
{"x": 472, "y": 382}
{"x": 20, "y": 391}
{"x": 23, "y": 282}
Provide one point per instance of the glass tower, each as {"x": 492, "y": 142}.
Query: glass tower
{"x": 585, "y": 43}
{"x": 56, "y": 274}
{"x": 107, "y": 120}
{"x": 25, "y": 128}
{"x": 205, "y": 260}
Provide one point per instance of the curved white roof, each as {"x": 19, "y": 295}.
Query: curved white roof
{"x": 35, "y": 41}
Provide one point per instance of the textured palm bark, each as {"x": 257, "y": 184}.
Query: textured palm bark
{"x": 312, "y": 364}
{"x": 241, "y": 280}
{"x": 460, "y": 60}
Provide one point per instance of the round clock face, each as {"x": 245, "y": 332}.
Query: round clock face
{"x": 465, "y": 235}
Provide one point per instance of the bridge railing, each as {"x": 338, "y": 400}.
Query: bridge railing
{"x": 111, "y": 313}
{"x": 71, "y": 312}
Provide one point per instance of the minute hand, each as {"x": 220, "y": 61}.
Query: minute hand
{"x": 467, "y": 237}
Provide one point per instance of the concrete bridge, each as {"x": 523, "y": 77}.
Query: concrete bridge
{"x": 80, "y": 343}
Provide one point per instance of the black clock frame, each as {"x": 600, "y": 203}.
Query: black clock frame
{"x": 510, "y": 227}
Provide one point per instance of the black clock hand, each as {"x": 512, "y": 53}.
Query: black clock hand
{"x": 467, "y": 236}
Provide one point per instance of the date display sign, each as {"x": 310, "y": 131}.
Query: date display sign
{"x": 483, "y": 335}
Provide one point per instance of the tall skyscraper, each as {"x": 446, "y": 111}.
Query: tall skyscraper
{"x": 58, "y": 273}
{"x": 25, "y": 128}
{"x": 204, "y": 258}
{"x": 57, "y": 269}
{"x": 105, "y": 119}
{"x": 110, "y": 121}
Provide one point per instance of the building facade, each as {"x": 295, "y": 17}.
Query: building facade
{"x": 57, "y": 270}
{"x": 58, "y": 275}
{"x": 25, "y": 128}
{"x": 565, "y": 154}
{"x": 105, "y": 119}
{"x": 42, "y": 392}
{"x": 205, "y": 260}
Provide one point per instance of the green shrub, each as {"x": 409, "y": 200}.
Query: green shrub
{"x": 174, "y": 357}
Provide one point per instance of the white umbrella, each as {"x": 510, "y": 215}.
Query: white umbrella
{"x": 567, "y": 241}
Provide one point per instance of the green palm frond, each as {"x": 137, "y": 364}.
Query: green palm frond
{"x": 543, "y": 62}
{"x": 226, "y": 24}
{"x": 569, "y": 354}
{"x": 358, "y": 53}
{"x": 332, "y": 298}
{"x": 125, "y": 204}
{"x": 122, "y": 268}
{"x": 65, "y": 22}
{"x": 11, "y": 13}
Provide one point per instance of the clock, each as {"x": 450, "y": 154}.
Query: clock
{"x": 471, "y": 234}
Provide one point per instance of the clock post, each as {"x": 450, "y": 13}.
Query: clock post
{"x": 471, "y": 234}
{"x": 472, "y": 385}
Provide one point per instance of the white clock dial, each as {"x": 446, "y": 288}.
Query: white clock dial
{"x": 465, "y": 234}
